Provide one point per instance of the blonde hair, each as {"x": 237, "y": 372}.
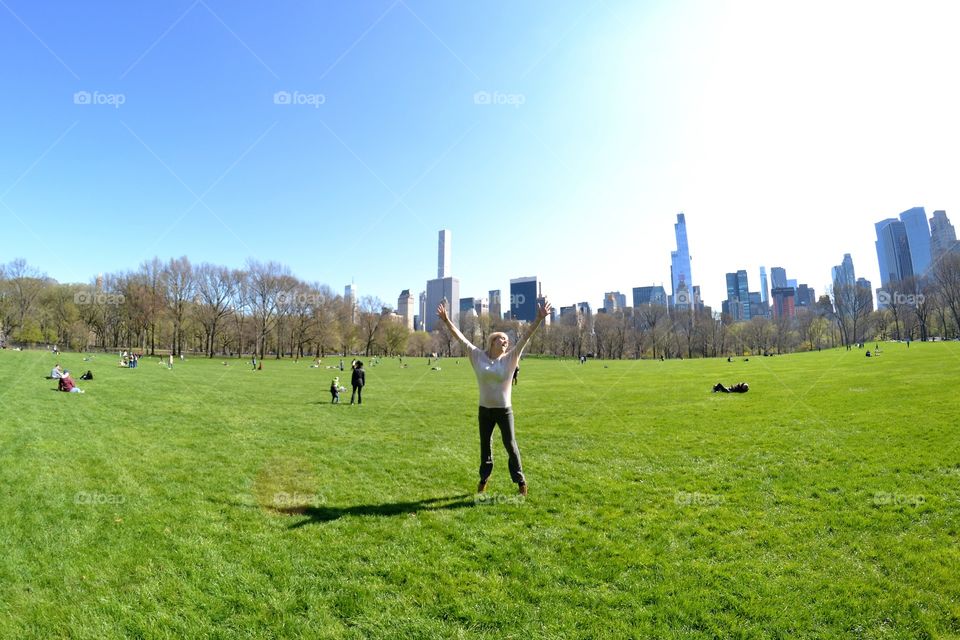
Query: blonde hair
{"x": 493, "y": 336}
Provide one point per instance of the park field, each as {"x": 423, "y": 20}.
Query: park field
{"x": 214, "y": 501}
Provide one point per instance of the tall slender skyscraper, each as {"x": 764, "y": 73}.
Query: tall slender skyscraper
{"x": 680, "y": 262}
{"x": 443, "y": 287}
{"x": 763, "y": 286}
{"x": 443, "y": 254}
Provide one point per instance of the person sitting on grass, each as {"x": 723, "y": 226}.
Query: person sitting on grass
{"x": 56, "y": 373}
{"x": 66, "y": 384}
{"x": 740, "y": 387}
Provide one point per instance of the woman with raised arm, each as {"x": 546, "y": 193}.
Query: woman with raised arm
{"x": 494, "y": 368}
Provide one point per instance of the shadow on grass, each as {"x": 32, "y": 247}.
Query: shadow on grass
{"x": 319, "y": 514}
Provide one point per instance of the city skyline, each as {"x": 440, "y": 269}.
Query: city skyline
{"x": 553, "y": 139}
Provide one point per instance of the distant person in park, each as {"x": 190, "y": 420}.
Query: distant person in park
{"x": 56, "y": 373}
{"x": 335, "y": 391}
{"x": 516, "y": 372}
{"x": 253, "y": 361}
{"x": 66, "y": 384}
{"x": 494, "y": 368}
{"x": 87, "y": 376}
{"x": 869, "y": 355}
{"x": 170, "y": 361}
{"x": 740, "y": 387}
{"x": 357, "y": 379}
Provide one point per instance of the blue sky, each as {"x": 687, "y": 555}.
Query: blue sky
{"x": 557, "y": 139}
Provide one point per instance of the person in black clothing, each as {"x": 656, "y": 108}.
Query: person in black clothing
{"x": 358, "y": 379}
{"x": 740, "y": 387}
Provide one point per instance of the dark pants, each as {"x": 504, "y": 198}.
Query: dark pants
{"x": 490, "y": 418}
{"x": 357, "y": 391}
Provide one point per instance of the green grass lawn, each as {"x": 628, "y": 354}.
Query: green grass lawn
{"x": 220, "y": 502}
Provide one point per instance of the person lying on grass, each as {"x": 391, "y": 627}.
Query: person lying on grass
{"x": 494, "y": 370}
{"x": 740, "y": 387}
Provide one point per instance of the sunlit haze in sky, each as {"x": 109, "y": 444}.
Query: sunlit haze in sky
{"x": 556, "y": 139}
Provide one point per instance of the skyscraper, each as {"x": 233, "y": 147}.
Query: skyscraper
{"x": 863, "y": 283}
{"x": 764, "y": 288}
{"x": 613, "y": 300}
{"x": 405, "y": 308}
{"x": 422, "y": 318}
{"x": 496, "y": 311}
{"x": 893, "y": 252}
{"x": 843, "y": 274}
{"x": 783, "y": 302}
{"x": 943, "y": 237}
{"x": 778, "y": 275}
{"x": 680, "y": 264}
{"x": 649, "y": 295}
{"x": 918, "y": 237}
{"x": 443, "y": 254}
{"x": 444, "y": 287}
{"x": 524, "y": 293}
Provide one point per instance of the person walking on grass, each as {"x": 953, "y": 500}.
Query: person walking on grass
{"x": 494, "y": 370}
{"x": 358, "y": 378}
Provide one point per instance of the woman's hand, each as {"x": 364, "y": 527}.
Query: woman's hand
{"x": 441, "y": 312}
{"x": 544, "y": 310}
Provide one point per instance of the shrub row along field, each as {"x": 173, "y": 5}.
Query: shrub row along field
{"x": 218, "y": 501}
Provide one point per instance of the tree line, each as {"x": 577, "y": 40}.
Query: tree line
{"x": 178, "y": 307}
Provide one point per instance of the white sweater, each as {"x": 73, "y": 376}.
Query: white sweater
{"x": 495, "y": 377}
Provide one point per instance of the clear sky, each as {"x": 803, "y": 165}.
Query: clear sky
{"x": 557, "y": 139}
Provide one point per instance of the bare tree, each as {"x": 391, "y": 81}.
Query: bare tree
{"x": 265, "y": 286}
{"x": 23, "y": 285}
{"x": 852, "y": 308}
{"x": 946, "y": 275}
{"x": 215, "y": 288}
{"x": 179, "y": 285}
